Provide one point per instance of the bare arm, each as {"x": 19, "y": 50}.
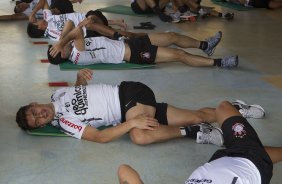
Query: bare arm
{"x": 127, "y": 175}
{"x": 113, "y": 133}
{"x": 76, "y": 34}
{"x": 16, "y": 16}
{"x": 39, "y": 6}
{"x": 68, "y": 27}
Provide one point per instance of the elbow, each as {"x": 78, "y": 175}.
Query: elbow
{"x": 100, "y": 138}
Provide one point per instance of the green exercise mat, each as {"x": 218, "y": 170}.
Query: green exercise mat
{"x": 50, "y": 130}
{"x": 231, "y": 5}
{"x": 103, "y": 66}
{"x": 124, "y": 10}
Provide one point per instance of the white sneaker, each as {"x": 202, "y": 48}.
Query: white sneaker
{"x": 175, "y": 16}
{"x": 250, "y": 111}
{"x": 186, "y": 15}
{"x": 209, "y": 134}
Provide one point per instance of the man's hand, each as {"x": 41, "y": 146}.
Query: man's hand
{"x": 55, "y": 50}
{"x": 145, "y": 122}
{"x": 32, "y": 18}
{"x": 84, "y": 75}
{"x": 86, "y": 21}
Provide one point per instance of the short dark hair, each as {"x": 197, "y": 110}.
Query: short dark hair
{"x": 21, "y": 118}
{"x": 16, "y": 9}
{"x": 55, "y": 60}
{"x": 98, "y": 14}
{"x": 64, "y": 6}
{"x": 34, "y": 32}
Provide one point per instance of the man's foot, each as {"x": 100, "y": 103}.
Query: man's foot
{"x": 212, "y": 43}
{"x": 187, "y": 14}
{"x": 204, "y": 11}
{"x": 249, "y": 111}
{"x": 228, "y": 15}
{"x": 175, "y": 16}
{"x": 209, "y": 134}
{"x": 229, "y": 62}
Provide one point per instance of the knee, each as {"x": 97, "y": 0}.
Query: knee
{"x": 171, "y": 35}
{"x": 122, "y": 169}
{"x": 139, "y": 137}
{"x": 222, "y": 106}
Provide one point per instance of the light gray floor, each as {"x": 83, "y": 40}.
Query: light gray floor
{"x": 254, "y": 35}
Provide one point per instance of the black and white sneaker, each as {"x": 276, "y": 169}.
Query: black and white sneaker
{"x": 209, "y": 134}
{"x": 250, "y": 111}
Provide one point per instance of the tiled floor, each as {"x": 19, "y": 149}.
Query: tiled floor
{"x": 254, "y": 35}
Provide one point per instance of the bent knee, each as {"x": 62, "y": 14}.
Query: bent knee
{"x": 139, "y": 137}
{"x": 223, "y": 105}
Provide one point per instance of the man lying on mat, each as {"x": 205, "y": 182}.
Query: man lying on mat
{"x": 32, "y": 10}
{"x": 244, "y": 160}
{"x": 130, "y": 107}
{"x": 145, "y": 49}
{"x": 51, "y": 26}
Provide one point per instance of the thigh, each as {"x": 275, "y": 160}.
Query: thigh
{"x": 165, "y": 54}
{"x": 181, "y": 117}
{"x": 161, "y": 39}
{"x": 140, "y": 109}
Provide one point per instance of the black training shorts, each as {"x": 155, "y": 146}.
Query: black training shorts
{"x": 142, "y": 51}
{"x": 132, "y": 92}
{"x": 241, "y": 140}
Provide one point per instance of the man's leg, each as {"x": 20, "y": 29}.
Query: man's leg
{"x": 143, "y": 137}
{"x": 127, "y": 175}
{"x": 170, "y": 38}
{"x": 177, "y": 118}
{"x": 224, "y": 111}
{"x": 183, "y": 41}
{"x": 275, "y": 153}
{"x": 165, "y": 55}
{"x": 275, "y": 4}
{"x": 184, "y": 117}
{"x": 156, "y": 7}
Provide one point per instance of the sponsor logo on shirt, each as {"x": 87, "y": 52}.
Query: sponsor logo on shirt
{"x": 238, "y": 130}
{"x": 196, "y": 181}
{"x": 80, "y": 102}
{"x": 70, "y": 124}
{"x": 76, "y": 58}
{"x": 59, "y": 24}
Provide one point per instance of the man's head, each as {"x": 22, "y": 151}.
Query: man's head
{"x": 37, "y": 30}
{"x": 20, "y": 7}
{"x": 98, "y": 17}
{"x": 61, "y": 57}
{"x": 35, "y": 115}
{"x": 61, "y": 7}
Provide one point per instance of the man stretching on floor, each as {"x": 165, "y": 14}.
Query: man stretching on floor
{"x": 130, "y": 107}
{"x": 245, "y": 159}
{"x": 146, "y": 49}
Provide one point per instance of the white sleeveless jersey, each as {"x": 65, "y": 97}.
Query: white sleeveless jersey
{"x": 79, "y": 106}
{"x": 226, "y": 170}
{"x": 56, "y": 23}
{"x": 99, "y": 50}
{"x": 39, "y": 14}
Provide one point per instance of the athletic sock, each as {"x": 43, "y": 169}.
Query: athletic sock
{"x": 217, "y": 62}
{"x": 203, "y": 45}
{"x": 190, "y": 131}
